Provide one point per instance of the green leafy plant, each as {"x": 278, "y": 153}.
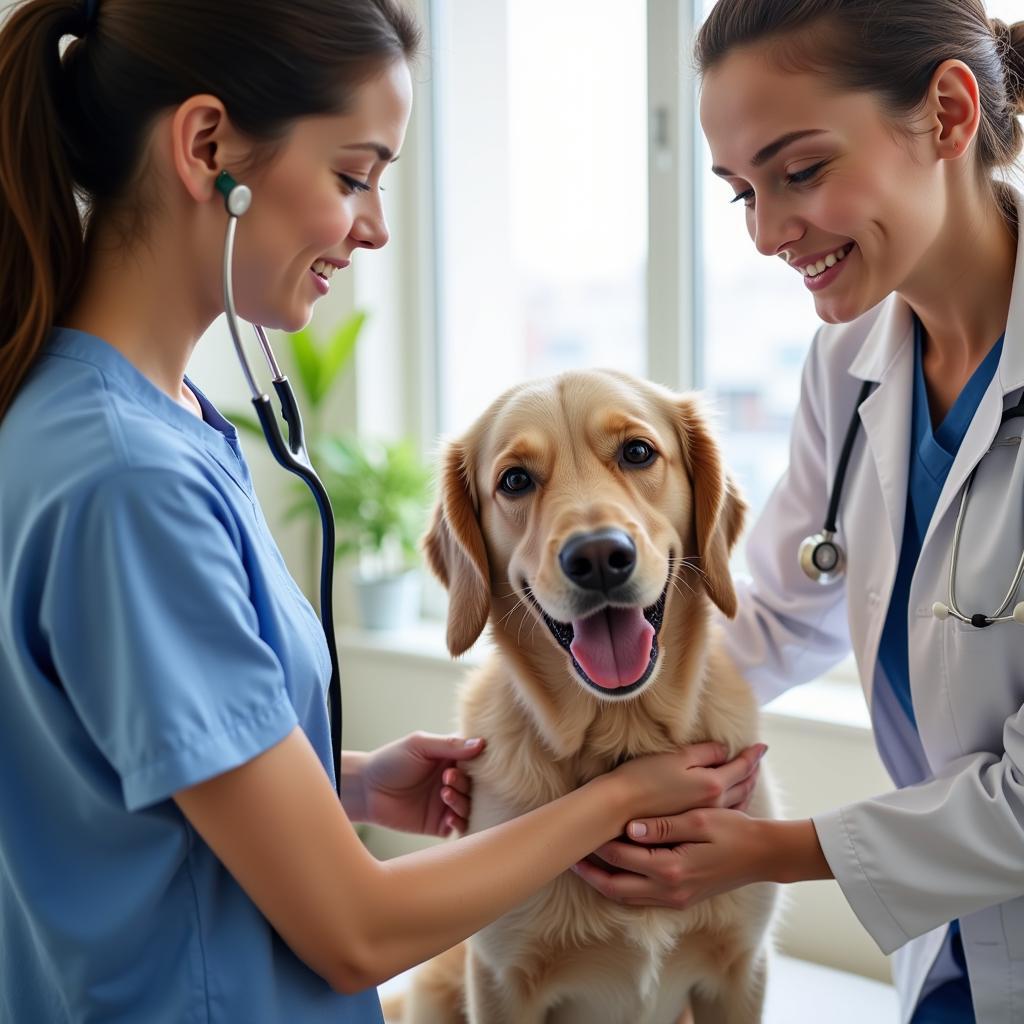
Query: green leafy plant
{"x": 379, "y": 491}
{"x": 319, "y": 369}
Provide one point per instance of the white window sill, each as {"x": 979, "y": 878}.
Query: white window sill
{"x": 834, "y": 701}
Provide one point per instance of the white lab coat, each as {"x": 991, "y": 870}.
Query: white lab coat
{"x": 951, "y": 846}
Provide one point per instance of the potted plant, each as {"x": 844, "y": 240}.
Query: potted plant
{"x": 379, "y": 490}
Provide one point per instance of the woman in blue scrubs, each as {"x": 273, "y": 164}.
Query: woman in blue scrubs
{"x": 172, "y": 847}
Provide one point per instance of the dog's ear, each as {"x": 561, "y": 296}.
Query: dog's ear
{"x": 718, "y": 507}
{"x": 455, "y": 551}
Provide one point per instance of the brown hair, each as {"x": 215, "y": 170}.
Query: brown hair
{"x": 890, "y": 48}
{"x": 73, "y": 126}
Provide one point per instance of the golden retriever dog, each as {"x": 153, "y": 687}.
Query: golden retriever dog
{"x": 589, "y": 519}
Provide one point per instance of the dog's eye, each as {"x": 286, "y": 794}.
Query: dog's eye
{"x": 516, "y": 481}
{"x": 638, "y": 453}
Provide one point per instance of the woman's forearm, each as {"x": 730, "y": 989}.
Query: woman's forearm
{"x": 353, "y": 792}
{"x": 424, "y": 902}
{"x": 792, "y": 851}
{"x": 276, "y": 824}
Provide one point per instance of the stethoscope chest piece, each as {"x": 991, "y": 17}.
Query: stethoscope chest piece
{"x": 822, "y": 558}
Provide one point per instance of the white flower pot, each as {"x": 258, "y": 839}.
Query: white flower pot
{"x": 388, "y": 602}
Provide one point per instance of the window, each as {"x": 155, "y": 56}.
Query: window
{"x": 758, "y": 322}
{"x": 542, "y": 168}
{"x": 580, "y": 224}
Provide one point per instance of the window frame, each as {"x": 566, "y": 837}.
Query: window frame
{"x": 673, "y": 290}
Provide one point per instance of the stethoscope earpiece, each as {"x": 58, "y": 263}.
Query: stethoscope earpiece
{"x": 237, "y": 198}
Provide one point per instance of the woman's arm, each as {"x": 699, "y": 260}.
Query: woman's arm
{"x": 352, "y": 791}
{"x": 277, "y": 825}
{"x": 788, "y": 629}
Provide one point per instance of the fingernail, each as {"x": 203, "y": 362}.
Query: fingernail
{"x": 472, "y": 743}
{"x": 638, "y": 830}
{"x": 763, "y": 751}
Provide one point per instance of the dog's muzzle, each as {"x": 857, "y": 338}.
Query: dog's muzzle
{"x": 602, "y": 561}
{"x": 613, "y": 646}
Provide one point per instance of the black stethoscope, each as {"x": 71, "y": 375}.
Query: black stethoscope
{"x": 823, "y": 559}
{"x": 292, "y": 453}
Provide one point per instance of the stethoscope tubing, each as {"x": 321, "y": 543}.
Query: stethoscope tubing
{"x": 290, "y": 453}
{"x": 844, "y": 460}
{"x": 939, "y": 610}
{"x": 979, "y": 620}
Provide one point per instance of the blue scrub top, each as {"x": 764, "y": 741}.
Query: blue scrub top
{"x": 150, "y": 638}
{"x": 933, "y": 451}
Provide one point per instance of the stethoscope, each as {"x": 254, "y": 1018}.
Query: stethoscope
{"x": 292, "y": 453}
{"x": 823, "y": 559}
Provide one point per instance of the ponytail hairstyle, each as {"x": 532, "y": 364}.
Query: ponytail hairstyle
{"x": 74, "y": 124}
{"x": 889, "y": 47}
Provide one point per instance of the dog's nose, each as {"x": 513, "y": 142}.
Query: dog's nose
{"x": 599, "y": 561}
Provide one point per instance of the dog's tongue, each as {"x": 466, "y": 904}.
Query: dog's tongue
{"x": 613, "y": 646}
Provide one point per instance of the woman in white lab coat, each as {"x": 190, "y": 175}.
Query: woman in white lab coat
{"x": 866, "y": 141}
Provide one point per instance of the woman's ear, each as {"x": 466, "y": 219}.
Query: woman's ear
{"x": 954, "y": 102}
{"x": 455, "y": 551}
{"x": 719, "y": 510}
{"x": 201, "y": 138}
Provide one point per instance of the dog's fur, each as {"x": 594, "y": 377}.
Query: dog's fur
{"x": 569, "y": 955}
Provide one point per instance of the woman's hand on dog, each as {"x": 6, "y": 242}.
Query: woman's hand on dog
{"x": 696, "y": 776}
{"x": 415, "y": 784}
{"x": 677, "y": 859}
{"x": 716, "y": 849}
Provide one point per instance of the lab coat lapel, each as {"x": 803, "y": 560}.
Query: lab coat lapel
{"x": 887, "y": 356}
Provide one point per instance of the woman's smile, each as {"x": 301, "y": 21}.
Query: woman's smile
{"x": 820, "y": 271}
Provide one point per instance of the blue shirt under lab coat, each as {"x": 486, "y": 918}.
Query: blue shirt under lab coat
{"x": 150, "y": 638}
